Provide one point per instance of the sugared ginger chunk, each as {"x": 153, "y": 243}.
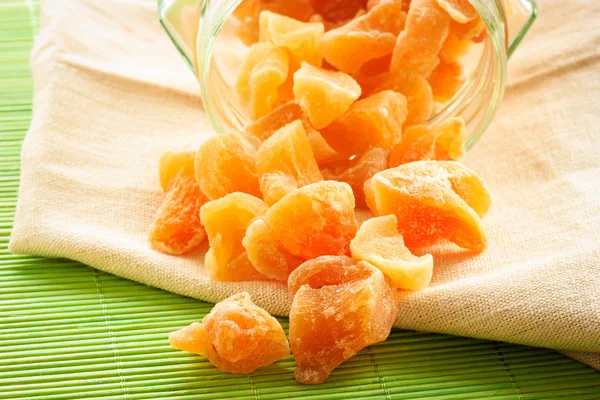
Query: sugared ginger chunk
{"x": 355, "y": 172}
{"x": 432, "y": 200}
{"x": 236, "y": 336}
{"x": 262, "y": 129}
{"x": 414, "y": 87}
{"x": 418, "y": 45}
{"x": 264, "y": 69}
{"x": 226, "y": 221}
{"x": 176, "y": 228}
{"x": 339, "y": 306}
{"x": 368, "y": 37}
{"x": 444, "y": 142}
{"x": 300, "y": 38}
{"x": 375, "y": 121}
{"x": 378, "y": 242}
{"x": 324, "y": 95}
{"x": 223, "y": 167}
{"x": 315, "y": 220}
{"x": 266, "y": 253}
{"x": 285, "y": 162}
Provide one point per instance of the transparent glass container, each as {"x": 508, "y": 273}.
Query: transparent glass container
{"x": 203, "y": 33}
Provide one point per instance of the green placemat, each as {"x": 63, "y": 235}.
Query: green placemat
{"x": 68, "y": 331}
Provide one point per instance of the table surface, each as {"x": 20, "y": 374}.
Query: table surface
{"x": 68, "y": 331}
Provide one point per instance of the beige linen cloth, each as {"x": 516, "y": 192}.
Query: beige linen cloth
{"x": 112, "y": 94}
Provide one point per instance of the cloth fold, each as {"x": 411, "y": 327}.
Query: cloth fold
{"x": 112, "y": 94}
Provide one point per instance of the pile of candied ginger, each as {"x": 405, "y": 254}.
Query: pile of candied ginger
{"x": 339, "y": 93}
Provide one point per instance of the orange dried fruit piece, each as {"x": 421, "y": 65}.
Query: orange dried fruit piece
{"x": 454, "y": 48}
{"x": 379, "y": 243}
{"x": 262, "y": 129}
{"x": 237, "y": 336}
{"x": 176, "y": 228}
{"x": 300, "y": 38}
{"x": 444, "y": 142}
{"x": 223, "y": 166}
{"x": 286, "y": 157}
{"x": 339, "y": 306}
{"x": 473, "y": 30}
{"x": 446, "y": 80}
{"x": 375, "y": 121}
{"x": 324, "y": 95}
{"x": 418, "y": 45}
{"x": 226, "y": 221}
{"x": 248, "y": 15}
{"x": 433, "y": 200}
{"x": 264, "y": 69}
{"x": 414, "y": 87}
{"x": 315, "y": 220}
{"x": 368, "y": 37}
{"x": 460, "y": 11}
{"x": 338, "y": 10}
{"x": 355, "y": 172}
{"x": 266, "y": 254}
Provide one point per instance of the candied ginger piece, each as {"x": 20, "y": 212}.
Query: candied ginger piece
{"x": 176, "y": 228}
{"x": 286, "y": 154}
{"x": 339, "y": 306}
{"x": 249, "y": 10}
{"x": 237, "y": 336}
{"x": 418, "y": 45}
{"x": 223, "y": 167}
{"x": 315, "y": 220}
{"x": 460, "y": 11}
{"x": 263, "y": 70}
{"x": 366, "y": 38}
{"x": 414, "y": 87}
{"x": 473, "y": 30}
{"x": 433, "y": 200}
{"x": 453, "y": 49}
{"x": 263, "y": 128}
{"x": 226, "y": 221}
{"x": 375, "y": 121}
{"x": 300, "y": 38}
{"x": 355, "y": 172}
{"x": 378, "y": 242}
{"x": 324, "y": 95}
{"x": 338, "y": 10}
{"x": 445, "y": 141}
{"x": 446, "y": 80}
{"x": 266, "y": 254}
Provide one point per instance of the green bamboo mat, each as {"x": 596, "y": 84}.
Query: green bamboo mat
{"x": 68, "y": 331}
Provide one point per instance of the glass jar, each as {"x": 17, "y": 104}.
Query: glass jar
{"x": 200, "y": 30}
